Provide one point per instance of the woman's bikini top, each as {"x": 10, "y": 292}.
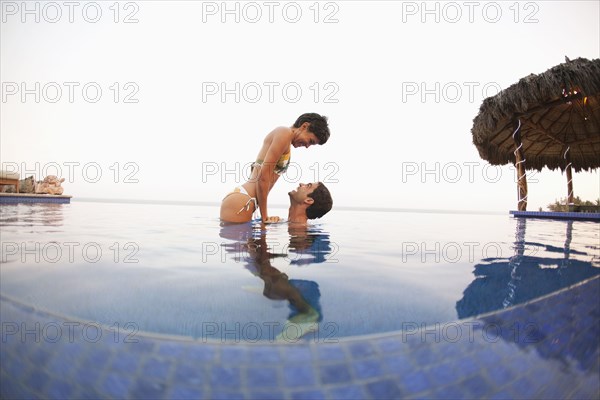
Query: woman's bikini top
{"x": 281, "y": 166}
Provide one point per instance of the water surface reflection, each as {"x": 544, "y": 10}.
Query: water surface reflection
{"x": 306, "y": 245}
{"x": 535, "y": 269}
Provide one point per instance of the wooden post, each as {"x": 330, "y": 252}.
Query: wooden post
{"x": 520, "y": 167}
{"x": 515, "y": 262}
{"x": 569, "y": 238}
{"x": 569, "y": 172}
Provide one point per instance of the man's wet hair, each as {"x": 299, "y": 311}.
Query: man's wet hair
{"x": 322, "y": 202}
{"x": 318, "y": 125}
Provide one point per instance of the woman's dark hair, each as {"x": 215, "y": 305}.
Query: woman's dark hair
{"x": 318, "y": 125}
{"x": 322, "y": 202}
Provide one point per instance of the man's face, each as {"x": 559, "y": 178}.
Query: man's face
{"x": 302, "y": 191}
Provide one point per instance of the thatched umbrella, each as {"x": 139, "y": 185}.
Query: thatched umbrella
{"x": 548, "y": 120}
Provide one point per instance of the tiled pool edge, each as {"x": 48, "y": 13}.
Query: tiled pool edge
{"x": 30, "y": 198}
{"x": 545, "y": 348}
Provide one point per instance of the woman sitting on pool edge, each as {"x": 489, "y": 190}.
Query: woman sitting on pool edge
{"x": 272, "y": 160}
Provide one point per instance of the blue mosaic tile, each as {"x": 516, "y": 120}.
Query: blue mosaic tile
{"x": 415, "y": 382}
{"x": 14, "y": 367}
{"x": 233, "y": 355}
{"x": 201, "y": 353}
{"x": 454, "y": 392}
{"x": 186, "y": 393}
{"x": 524, "y": 387}
{"x": 592, "y": 328}
{"x": 476, "y": 386}
{"x": 37, "y": 380}
{"x": 141, "y": 347}
{"x": 116, "y": 385}
{"x": 88, "y": 393}
{"x": 302, "y": 375}
{"x": 398, "y": 364}
{"x": 59, "y": 390}
{"x": 334, "y": 373}
{"x": 12, "y": 389}
{"x": 48, "y": 347}
{"x": 589, "y": 359}
{"x": 264, "y": 355}
{"x": 39, "y": 357}
{"x": 134, "y": 343}
{"x": 31, "y": 200}
{"x": 262, "y": 377}
{"x": 96, "y": 356}
{"x": 444, "y": 374}
{"x": 386, "y": 389}
{"x": 330, "y": 352}
{"x": 559, "y": 340}
{"x": 61, "y": 365}
{"x": 466, "y": 366}
{"x": 11, "y": 332}
{"x": 270, "y": 395}
{"x": 173, "y": 350}
{"x": 424, "y": 355}
{"x": 499, "y": 374}
{"x": 522, "y": 367}
{"x": 125, "y": 362}
{"x": 308, "y": 395}
{"x": 532, "y": 308}
{"x": 413, "y": 340}
{"x": 546, "y": 376}
{"x": 361, "y": 349}
{"x": 588, "y": 390}
{"x": 509, "y": 368}
{"x": 111, "y": 340}
{"x": 389, "y": 345}
{"x": 189, "y": 374}
{"x": 488, "y": 356}
{"x": 144, "y": 389}
{"x": 155, "y": 368}
{"x": 73, "y": 350}
{"x": 225, "y": 376}
{"x": 548, "y": 392}
{"x": 589, "y": 335}
{"x": 225, "y": 395}
{"x": 365, "y": 369}
{"x": 450, "y": 351}
{"x": 502, "y": 395}
{"x": 532, "y": 334}
{"x": 297, "y": 354}
{"x": 352, "y": 392}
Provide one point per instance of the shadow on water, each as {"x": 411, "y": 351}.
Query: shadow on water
{"x": 562, "y": 330}
{"x": 307, "y": 245}
{"x": 503, "y": 282}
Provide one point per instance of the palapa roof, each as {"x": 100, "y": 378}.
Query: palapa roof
{"x": 558, "y": 109}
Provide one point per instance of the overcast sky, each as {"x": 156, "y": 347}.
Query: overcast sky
{"x": 171, "y": 100}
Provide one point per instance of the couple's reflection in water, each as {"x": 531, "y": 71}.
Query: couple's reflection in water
{"x": 306, "y": 245}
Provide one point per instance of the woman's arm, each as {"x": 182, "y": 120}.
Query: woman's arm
{"x": 266, "y": 175}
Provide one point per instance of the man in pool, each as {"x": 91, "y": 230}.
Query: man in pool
{"x": 307, "y": 201}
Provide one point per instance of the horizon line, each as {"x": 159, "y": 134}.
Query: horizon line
{"x": 343, "y": 208}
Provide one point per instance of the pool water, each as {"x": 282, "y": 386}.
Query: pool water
{"x": 175, "y": 270}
